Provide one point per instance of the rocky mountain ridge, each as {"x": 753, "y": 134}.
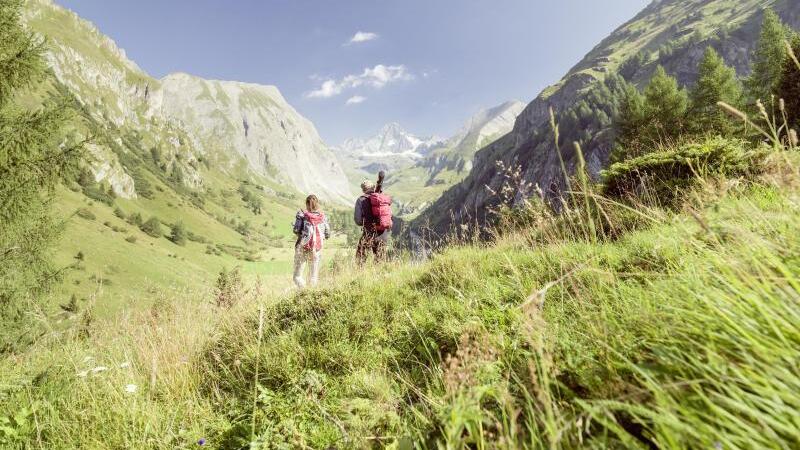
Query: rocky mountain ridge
{"x": 671, "y": 33}
{"x": 231, "y": 126}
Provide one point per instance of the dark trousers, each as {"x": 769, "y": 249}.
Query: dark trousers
{"x": 370, "y": 242}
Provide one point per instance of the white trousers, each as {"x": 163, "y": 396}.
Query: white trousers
{"x": 301, "y": 257}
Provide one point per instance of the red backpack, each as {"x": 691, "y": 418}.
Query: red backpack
{"x": 313, "y": 222}
{"x": 381, "y": 209}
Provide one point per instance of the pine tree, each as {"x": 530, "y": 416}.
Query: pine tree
{"x": 665, "y": 105}
{"x": 178, "y": 234}
{"x": 716, "y": 82}
{"x": 789, "y": 86}
{"x": 35, "y": 154}
{"x": 628, "y": 124}
{"x": 768, "y": 59}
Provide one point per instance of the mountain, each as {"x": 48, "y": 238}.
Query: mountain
{"x": 391, "y": 140}
{"x": 448, "y": 162}
{"x": 482, "y": 129}
{"x": 671, "y": 33}
{"x": 231, "y": 162}
{"x": 226, "y": 122}
{"x": 392, "y": 149}
{"x": 256, "y": 122}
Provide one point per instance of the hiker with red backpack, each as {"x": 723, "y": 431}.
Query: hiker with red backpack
{"x": 312, "y": 229}
{"x": 373, "y": 212}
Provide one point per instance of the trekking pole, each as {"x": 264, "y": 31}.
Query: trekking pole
{"x": 379, "y": 184}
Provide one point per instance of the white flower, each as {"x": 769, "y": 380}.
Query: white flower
{"x": 99, "y": 369}
{"x": 131, "y": 388}
{"x": 83, "y": 374}
{"x": 87, "y": 359}
{"x": 125, "y": 365}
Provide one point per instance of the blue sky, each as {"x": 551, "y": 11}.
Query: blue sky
{"x": 353, "y": 65}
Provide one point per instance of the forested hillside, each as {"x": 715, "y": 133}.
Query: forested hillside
{"x": 672, "y": 34}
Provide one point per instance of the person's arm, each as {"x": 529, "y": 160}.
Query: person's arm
{"x": 298, "y": 223}
{"x": 358, "y": 215}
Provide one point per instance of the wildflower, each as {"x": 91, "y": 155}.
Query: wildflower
{"x": 202, "y": 441}
{"x": 131, "y": 388}
{"x": 99, "y": 369}
{"x": 125, "y": 365}
{"x": 83, "y": 374}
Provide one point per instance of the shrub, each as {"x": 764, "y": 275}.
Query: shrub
{"x": 152, "y": 227}
{"x": 96, "y": 192}
{"x": 178, "y": 234}
{"x": 131, "y": 239}
{"x": 119, "y": 213}
{"x": 135, "y": 219}
{"x": 85, "y": 213}
{"x": 664, "y": 174}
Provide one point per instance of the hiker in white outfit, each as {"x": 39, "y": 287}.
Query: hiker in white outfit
{"x": 312, "y": 229}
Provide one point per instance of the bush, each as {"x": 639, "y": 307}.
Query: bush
{"x": 131, "y": 239}
{"x": 664, "y": 174}
{"x": 178, "y": 234}
{"x": 119, "y": 213}
{"x": 85, "y": 213}
{"x": 152, "y": 227}
{"x": 197, "y": 238}
{"x": 96, "y": 192}
{"x": 136, "y": 219}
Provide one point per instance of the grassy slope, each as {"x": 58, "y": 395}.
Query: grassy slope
{"x": 134, "y": 270}
{"x": 683, "y": 334}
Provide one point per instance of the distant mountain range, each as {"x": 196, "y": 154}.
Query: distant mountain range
{"x": 420, "y": 168}
{"x": 391, "y": 140}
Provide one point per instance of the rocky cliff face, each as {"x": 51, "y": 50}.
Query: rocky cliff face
{"x": 672, "y": 33}
{"x": 255, "y": 122}
{"x": 185, "y": 119}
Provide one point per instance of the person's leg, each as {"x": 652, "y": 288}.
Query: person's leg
{"x": 316, "y": 262}
{"x": 299, "y": 267}
{"x": 379, "y": 248}
{"x": 361, "y": 251}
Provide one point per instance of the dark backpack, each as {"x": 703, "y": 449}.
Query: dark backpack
{"x": 379, "y": 207}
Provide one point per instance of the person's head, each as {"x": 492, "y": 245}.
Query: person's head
{"x": 312, "y": 203}
{"x": 367, "y": 187}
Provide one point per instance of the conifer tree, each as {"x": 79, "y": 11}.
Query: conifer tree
{"x": 628, "y": 124}
{"x": 665, "y": 105}
{"x": 34, "y": 156}
{"x": 789, "y": 86}
{"x": 768, "y": 59}
{"x": 716, "y": 82}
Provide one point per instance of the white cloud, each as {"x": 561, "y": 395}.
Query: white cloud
{"x": 376, "y": 77}
{"x": 355, "y": 100}
{"x": 363, "y": 36}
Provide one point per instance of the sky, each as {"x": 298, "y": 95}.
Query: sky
{"x": 351, "y": 66}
